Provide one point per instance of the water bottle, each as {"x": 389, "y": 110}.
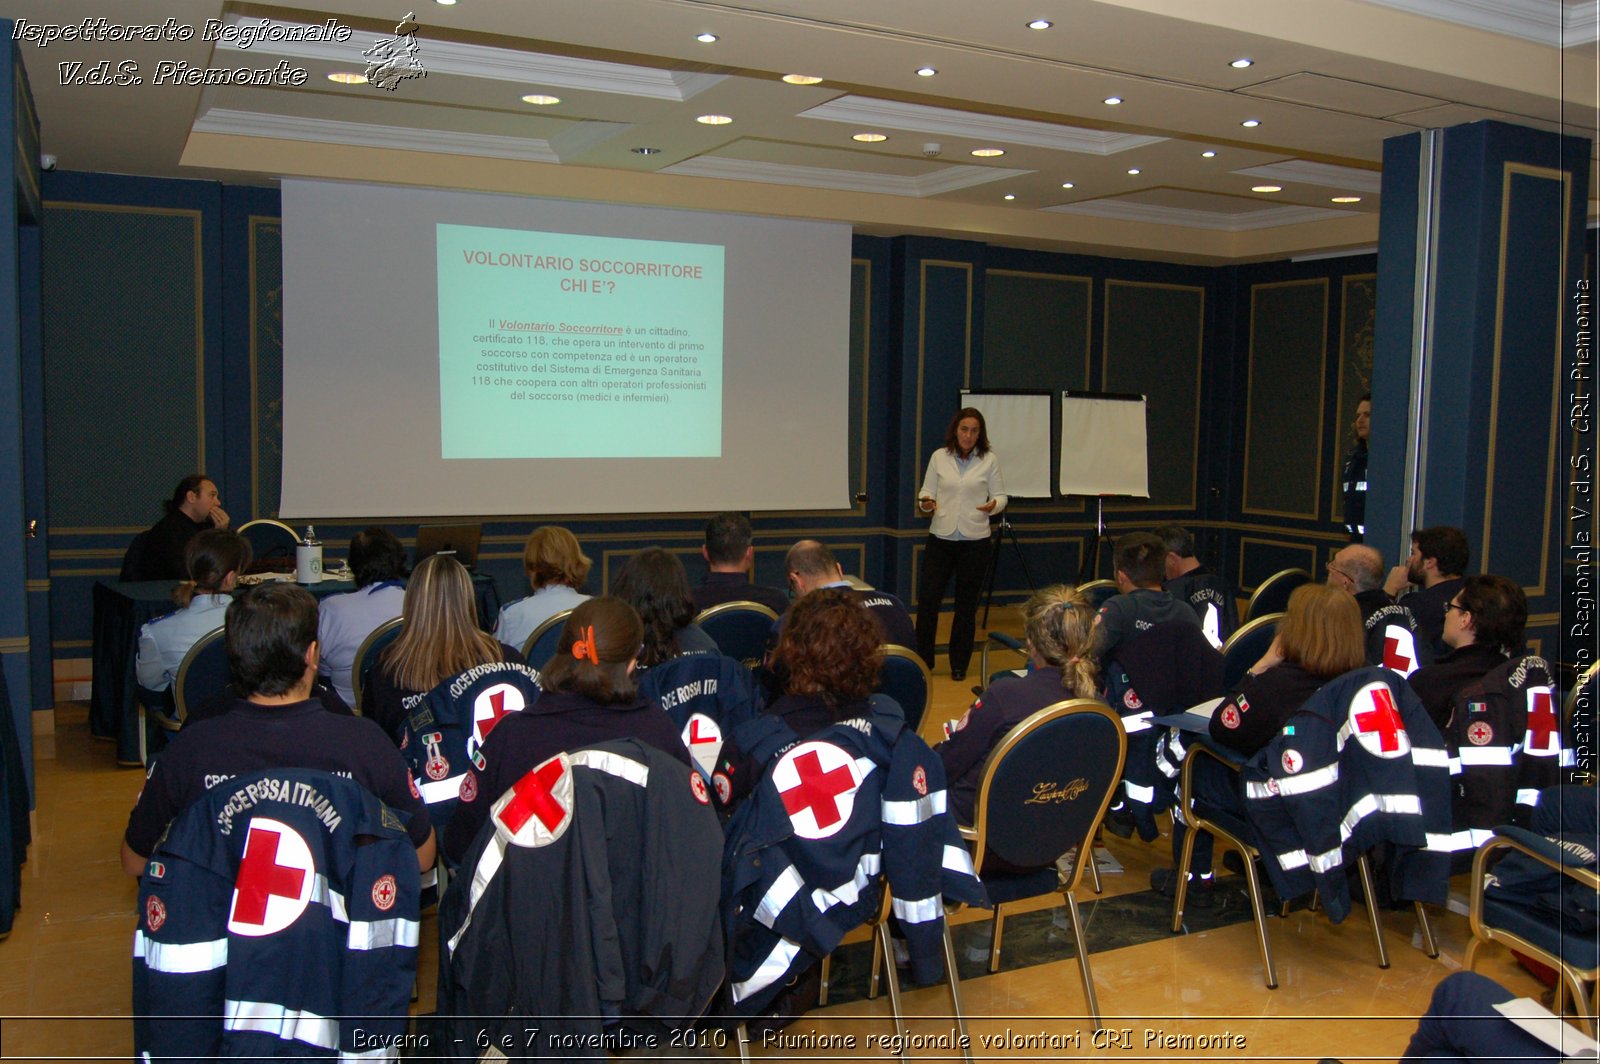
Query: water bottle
{"x": 308, "y": 558}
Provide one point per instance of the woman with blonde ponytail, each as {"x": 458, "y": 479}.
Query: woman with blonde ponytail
{"x": 1060, "y": 629}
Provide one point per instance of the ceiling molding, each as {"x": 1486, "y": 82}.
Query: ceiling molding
{"x": 1266, "y": 218}
{"x": 946, "y": 179}
{"x": 1325, "y": 175}
{"x": 529, "y": 69}
{"x": 367, "y": 135}
{"x": 864, "y": 111}
{"x": 1549, "y": 22}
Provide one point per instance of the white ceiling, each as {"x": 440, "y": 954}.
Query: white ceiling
{"x": 1331, "y": 79}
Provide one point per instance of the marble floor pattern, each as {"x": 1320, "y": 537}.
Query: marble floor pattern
{"x": 65, "y": 970}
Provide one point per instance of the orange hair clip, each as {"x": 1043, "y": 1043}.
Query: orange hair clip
{"x": 585, "y": 647}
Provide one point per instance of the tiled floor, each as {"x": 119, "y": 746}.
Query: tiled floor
{"x": 65, "y": 970}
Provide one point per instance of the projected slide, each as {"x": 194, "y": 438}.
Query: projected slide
{"x": 553, "y": 345}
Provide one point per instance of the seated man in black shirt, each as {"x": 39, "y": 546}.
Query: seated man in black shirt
{"x": 729, "y": 556}
{"x": 194, "y": 507}
{"x": 812, "y": 567}
{"x": 1439, "y": 556}
{"x": 272, "y": 649}
{"x": 1205, "y": 591}
{"x": 1141, "y": 563}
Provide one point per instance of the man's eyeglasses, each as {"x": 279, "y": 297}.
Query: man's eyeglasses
{"x": 1332, "y": 568}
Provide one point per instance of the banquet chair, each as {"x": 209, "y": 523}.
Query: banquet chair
{"x": 1272, "y": 595}
{"x": 999, "y": 641}
{"x": 1245, "y": 647}
{"x": 741, "y": 629}
{"x": 367, "y": 656}
{"x": 1098, "y": 591}
{"x": 541, "y": 644}
{"x": 905, "y": 678}
{"x": 270, "y": 541}
{"x": 203, "y": 672}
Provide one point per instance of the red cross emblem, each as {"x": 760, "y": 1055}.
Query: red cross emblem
{"x": 273, "y": 885}
{"x": 697, "y": 787}
{"x": 704, "y": 740}
{"x": 1376, "y": 722}
{"x": 490, "y": 708}
{"x": 542, "y": 798}
{"x": 1230, "y": 716}
{"x": 384, "y": 892}
{"x": 817, "y": 782}
{"x": 1479, "y": 733}
{"x": 1544, "y": 731}
{"x": 436, "y": 766}
{"x": 155, "y": 913}
{"x": 1399, "y": 651}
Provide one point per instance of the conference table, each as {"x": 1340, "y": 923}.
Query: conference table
{"x": 121, "y": 609}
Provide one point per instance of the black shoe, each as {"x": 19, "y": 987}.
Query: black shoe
{"x": 958, "y": 674}
{"x": 1202, "y": 889}
{"x": 1119, "y": 822}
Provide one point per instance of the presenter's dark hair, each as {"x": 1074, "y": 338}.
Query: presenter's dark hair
{"x": 728, "y": 536}
{"x": 180, "y": 494}
{"x": 830, "y": 644}
{"x": 1176, "y": 539}
{"x": 1446, "y": 545}
{"x": 376, "y": 555}
{"x": 208, "y": 558}
{"x": 1499, "y": 611}
{"x": 269, "y": 628}
{"x": 655, "y": 584}
{"x": 617, "y": 632}
{"x": 981, "y": 448}
{"x": 1142, "y": 557}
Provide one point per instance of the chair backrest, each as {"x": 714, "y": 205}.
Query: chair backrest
{"x": 202, "y": 673}
{"x": 1048, "y": 783}
{"x": 133, "y": 558}
{"x": 1098, "y": 591}
{"x": 540, "y": 646}
{"x": 741, "y": 629}
{"x": 906, "y": 679}
{"x": 367, "y": 655}
{"x": 1245, "y": 647}
{"x": 269, "y": 539}
{"x": 1272, "y": 594}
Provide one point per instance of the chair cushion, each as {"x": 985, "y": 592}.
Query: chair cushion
{"x": 1007, "y": 886}
{"x": 1579, "y": 951}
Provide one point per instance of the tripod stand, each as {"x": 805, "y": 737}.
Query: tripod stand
{"x": 1004, "y": 530}
{"x": 1089, "y": 568}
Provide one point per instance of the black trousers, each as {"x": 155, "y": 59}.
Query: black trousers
{"x": 968, "y": 561}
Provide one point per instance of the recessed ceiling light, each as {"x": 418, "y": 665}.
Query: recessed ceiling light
{"x": 1010, "y": 196}
{"x": 713, "y": 120}
{"x": 988, "y": 153}
{"x": 1208, "y": 155}
{"x": 645, "y": 151}
{"x": 1346, "y": 199}
{"x": 1066, "y": 184}
{"x": 801, "y": 79}
{"x": 870, "y": 138}
{"x": 1112, "y": 101}
{"x": 445, "y": 3}
{"x": 1266, "y": 188}
{"x": 540, "y": 99}
{"x": 1134, "y": 171}
{"x": 347, "y": 77}
{"x": 1250, "y": 123}
{"x": 1241, "y": 63}
{"x": 706, "y": 38}
{"x": 1040, "y": 24}
{"x": 926, "y": 72}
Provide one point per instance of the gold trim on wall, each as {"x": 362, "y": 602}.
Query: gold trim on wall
{"x": 1564, "y": 178}
{"x": 36, "y": 585}
{"x": 1239, "y": 586}
{"x": 1199, "y": 369}
{"x": 1336, "y": 494}
{"x": 918, "y": 465}
{"x": 1322, "y": 386}
{"x": 15, "y": 645}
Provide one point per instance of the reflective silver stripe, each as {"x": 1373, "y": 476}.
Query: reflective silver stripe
{"x": 918, "y": 912}
{"x": 613, "y": 764}
{"x": 483, "y": 874}
{"x": 1527, "y": 796}
{"x": 1304, "y": 783}
{"x": 1552, "y": 752}
{"x": 1438, "y": 843}
{"x": 1430, "y": 757}
{"x": 383, "y": 934}
{"x": 772, "y": 969}
{"x": 434, "y": 791}
{"x": 1368, "y": 804}
{"x": 1466, "y": 839}
{"x": 429, "y": 878}
{"x": 1292, "y": 859}
{"x": 1485, "y": 755}
{"x": 1325, "y": 862}
{"x": 1137, "y": 722}
{"x": 779, "y": 895}
{"x": 321, "y": 892}
{"x": 181, "y": 958}
{"x": 958, "y": 859}
{"x": 1361, "y": 485}
{"x": 1569, "y": 758}
{"x": 912, "y": 813}
{"x": 267, "y": 1018}
{"x": 1455, "y": 766}
{"x": 1139, "y": 794}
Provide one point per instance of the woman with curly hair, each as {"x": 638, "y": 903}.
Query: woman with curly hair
{"x": 830, "y": 649}
{"x": 1060, "y": 628}
{"x": 655, "y": 584}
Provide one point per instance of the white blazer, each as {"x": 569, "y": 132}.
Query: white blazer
{"x": 959, "y": 492}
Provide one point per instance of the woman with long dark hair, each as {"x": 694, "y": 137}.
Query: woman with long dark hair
{"x": 961, "y": 491}
{"x": 655, "y": 584}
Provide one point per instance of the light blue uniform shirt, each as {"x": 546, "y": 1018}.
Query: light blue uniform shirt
{"x": 164, "y": 641}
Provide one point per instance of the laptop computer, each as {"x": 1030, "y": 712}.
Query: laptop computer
{"x": 461, "y": 541}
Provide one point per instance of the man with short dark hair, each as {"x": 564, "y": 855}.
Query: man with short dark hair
{"x": 344, "y": 621}
{"x": 1392, "y": 637}
{"x": 729, "y": 556}
{"x": 273, "y": 651}
{"x": 1438, "y": 559}
{"x": 1140, "y": 560}
{"x": 1187, "y": 580}
{"x": 811, "y": 566}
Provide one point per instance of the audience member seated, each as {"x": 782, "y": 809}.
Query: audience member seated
{"x": 1393, "y": 640}
{"x": 556, "y": 568}
{"x": 590, "y": 696}
{"x": 379, "y": 563}
{"x": 1060, "y": 629}
{"x": 1439, "y": 556}
{"x": 811, "y": 566}
{"x": 729, "y": 558}
{"x": 1205, "y": 591}
{"x": 1140, "y": 560}
{"x": 829, "y": 650}
{"x": 441, "y": 639}
{"x": 1318, "y": 638}
{"x": 272, "y": 650}
{"x": 655, "y": 584}
{"x": 215, "y": 558}
{"x": 193, "y": 508}
{"x": 1462, "y": 1026}
{"x": 1483, "y": 623}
